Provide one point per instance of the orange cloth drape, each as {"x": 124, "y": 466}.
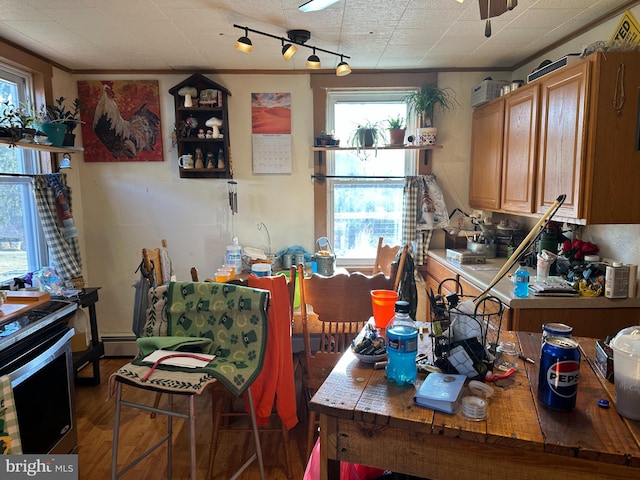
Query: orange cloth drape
{"x": 276, "y": 383}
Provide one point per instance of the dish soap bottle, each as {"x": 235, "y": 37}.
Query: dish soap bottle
{"x": 402, "y": 346}
{"x": 521, "y": 279}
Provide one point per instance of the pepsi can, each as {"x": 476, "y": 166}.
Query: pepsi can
{"x": 559, "y": 372}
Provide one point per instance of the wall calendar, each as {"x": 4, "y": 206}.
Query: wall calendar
{"x": 271, "y": 132}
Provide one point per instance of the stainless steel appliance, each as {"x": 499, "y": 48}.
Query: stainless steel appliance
{"x": 35, "y": 352}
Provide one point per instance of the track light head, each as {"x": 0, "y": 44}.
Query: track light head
{"x": 313, "y": 61}
{"x": 343, "y": 68}
{"x": 244, "y": 43}
{"x": 288, "y": 50}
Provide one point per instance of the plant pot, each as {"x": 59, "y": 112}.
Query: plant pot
{"x": 427, "y": 136}
{"x": 69, "y": 140}
{"x": 396, "y": 136}
{"x": 55, "y": 132}
{"x": 365, "y": 137}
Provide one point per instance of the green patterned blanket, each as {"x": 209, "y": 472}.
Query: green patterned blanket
{"x": 232, "y": 317}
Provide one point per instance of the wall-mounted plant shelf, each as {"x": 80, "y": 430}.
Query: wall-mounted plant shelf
{"x": 425, "y": 148}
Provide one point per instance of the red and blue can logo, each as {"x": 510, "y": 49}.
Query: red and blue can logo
{"x": 559, "y": 373}
{"x": 562, "y": 378}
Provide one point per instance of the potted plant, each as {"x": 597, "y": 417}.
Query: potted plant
{"x": 397, "y": 130}
{"x": 70, "y": 118}
{"x": 423, "y": 103}
{"x": 366, "y": 135}
{"x": 16, "y": 121}
{"x": 326, "y": 139}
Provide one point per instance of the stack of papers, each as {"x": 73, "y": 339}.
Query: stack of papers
{"x": 553, "y": 287}
{"x": 441, "y": 391}
{"x": 186, "y": 359}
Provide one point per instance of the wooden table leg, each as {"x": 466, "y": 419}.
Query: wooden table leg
{"x": 329, "y": 468}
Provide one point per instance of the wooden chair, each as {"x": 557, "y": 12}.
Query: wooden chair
{"x": 385, "y": 256}
{"x": 222, "y": 404}
{"x": 245, "y": 310}
{"x": 152, "y": 259}
{"x": 343, "y": 306}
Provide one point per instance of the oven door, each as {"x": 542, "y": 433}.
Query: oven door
{"x": 43, "y": 390}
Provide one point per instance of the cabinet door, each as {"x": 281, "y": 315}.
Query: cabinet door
{"x": 520, "y": 149}
{"x": 562, "y": 143}
{"x": 486, "y": 156}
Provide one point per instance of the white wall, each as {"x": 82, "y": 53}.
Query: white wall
{"x": 121, "y": 207}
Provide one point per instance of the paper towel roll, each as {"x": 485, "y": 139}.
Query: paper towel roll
{"x": 633, "y": 279}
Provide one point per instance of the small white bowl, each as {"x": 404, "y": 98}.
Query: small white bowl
{"x": 370, "y": 358}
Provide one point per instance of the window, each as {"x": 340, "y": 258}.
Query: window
{"x": 364, "y": 188}
{"x": 22, "y": 245}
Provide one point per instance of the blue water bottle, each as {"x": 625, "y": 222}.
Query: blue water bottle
{"x": 402, "y": 346}
{"x": 521, "y": 279}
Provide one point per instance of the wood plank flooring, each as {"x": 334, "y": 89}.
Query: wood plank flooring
{"x": 95, "y": 414}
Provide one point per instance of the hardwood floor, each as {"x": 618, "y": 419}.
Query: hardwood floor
{"x": 138, "y": 431}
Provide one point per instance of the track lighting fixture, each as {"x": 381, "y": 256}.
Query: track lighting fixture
{"x": 244, "y": 43}
{"x": 313, "y": 61}
{"x": 297, "y": 38}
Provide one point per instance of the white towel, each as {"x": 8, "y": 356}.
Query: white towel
{"x": 9, "y": 432}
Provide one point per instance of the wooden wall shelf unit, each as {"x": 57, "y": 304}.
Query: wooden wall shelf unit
{"x": 425, "y": 148}
{"x": 188, "y": 140}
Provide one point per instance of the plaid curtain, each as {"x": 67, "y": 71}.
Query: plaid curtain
{"x": 53, "y": 199}
{"x": 422, "y": 198}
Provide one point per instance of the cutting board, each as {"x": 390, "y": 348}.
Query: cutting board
{"x": 18, "y": 302}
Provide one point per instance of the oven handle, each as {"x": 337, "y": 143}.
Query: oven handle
{"x": 25, "y": 371}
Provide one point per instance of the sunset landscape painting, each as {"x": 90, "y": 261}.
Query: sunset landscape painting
{"x": 271, "y": 113}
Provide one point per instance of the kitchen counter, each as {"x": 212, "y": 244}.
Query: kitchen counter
{"x": 596, "y": 317}
{"x": 482, "y": 275}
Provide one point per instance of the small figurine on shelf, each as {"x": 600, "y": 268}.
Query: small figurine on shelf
{"x": 211, "y": 160}
{"x": 209, "y": 133}
{"x": 220, "y": 158}
{"x": 215, "y": 123}
{"x": 201, "y": 133}
{"x": 199, "y": 158}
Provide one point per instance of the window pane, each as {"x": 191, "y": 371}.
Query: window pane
{"x": 13, "y": 256}
{"x": 362, "y": 213}
{"x": 22, "y": 246}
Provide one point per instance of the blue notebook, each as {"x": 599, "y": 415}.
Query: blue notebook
{"x": 440, "y": 391}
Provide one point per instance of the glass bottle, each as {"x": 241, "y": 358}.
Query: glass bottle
{"x": 521, "y": 280}
{"x": 402, "y": 346}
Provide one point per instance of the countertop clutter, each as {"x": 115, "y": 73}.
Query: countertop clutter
{"x": 482, "y": 274}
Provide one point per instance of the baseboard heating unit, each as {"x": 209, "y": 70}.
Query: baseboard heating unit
{"x": 550, "y": 67}
{"x": 124, "y": 346}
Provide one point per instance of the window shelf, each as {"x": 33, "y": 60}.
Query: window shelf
{"x": 425, "y": 148}
{"x": 42, "y": 148}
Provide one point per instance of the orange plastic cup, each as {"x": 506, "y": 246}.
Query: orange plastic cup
{"x": 383, "y": 303}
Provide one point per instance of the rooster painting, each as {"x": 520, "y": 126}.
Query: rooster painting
{"x": 121, "y": 117}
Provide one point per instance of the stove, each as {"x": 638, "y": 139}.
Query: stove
{"x": 18, "y": 328}
{"x": 35, "y": 354}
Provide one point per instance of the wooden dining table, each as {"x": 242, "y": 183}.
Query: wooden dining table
{"x": 365, "y": 419}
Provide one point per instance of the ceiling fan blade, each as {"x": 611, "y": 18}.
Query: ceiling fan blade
{"x": 315, "y": 5}
{"x": 498, "y": 7}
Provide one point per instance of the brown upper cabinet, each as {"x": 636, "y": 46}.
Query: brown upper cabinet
{"x": 575, "y": 132}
